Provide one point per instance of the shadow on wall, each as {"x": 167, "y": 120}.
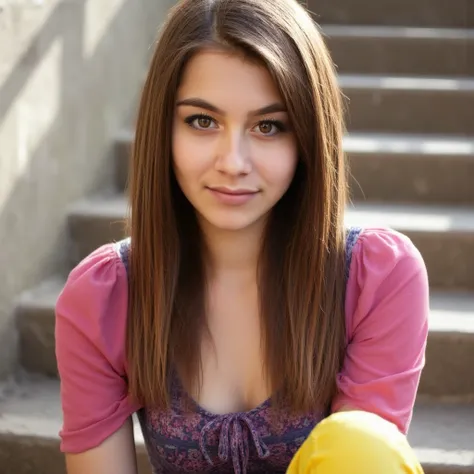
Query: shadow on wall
{"x": 65, "y": 95}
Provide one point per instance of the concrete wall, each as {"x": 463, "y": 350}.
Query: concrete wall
{"x": 70, "y": 72}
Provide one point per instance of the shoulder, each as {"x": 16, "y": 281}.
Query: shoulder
{"x": 104, "y": 263}
{"x": 385, "y": 247}
{"x": 103, "y": 271}
{"x": 93, "y": 303}
{"x": 386, "y": 267}
{"x": 378, "y": 252}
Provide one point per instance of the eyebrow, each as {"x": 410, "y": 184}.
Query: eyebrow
{"x": 202, "y": 104}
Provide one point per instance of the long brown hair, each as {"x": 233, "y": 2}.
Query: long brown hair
{"x": 301, "y": 268}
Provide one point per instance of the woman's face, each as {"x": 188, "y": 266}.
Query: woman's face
{"x": 234, "y": 150}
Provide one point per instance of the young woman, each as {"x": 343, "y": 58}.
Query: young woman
{"x": 245, "y": 325}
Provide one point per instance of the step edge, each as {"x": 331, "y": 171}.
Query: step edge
{"x": 403, "y": 83}
{"x": 409, "y": 33}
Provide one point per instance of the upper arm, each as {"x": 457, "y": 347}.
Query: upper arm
{"x": 387, "y": 308}
{"x": 90, "y": 350}
{"x": 116, "y": 455}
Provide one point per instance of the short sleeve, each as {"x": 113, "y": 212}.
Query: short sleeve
{"x": 91, "y": 315}
{"x": 387, "y": 309}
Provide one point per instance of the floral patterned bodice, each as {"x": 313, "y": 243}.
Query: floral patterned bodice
{"x": 257, "y": 441}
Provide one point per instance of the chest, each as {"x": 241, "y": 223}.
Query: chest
{"x": 233, "y": 377}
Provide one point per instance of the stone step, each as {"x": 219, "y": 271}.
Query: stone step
{"x": 29, "y": 425}
{"x": 419, "y": 169}
{"x": 444, "y": 235}
{"x": 94, "y": 221}
{"x": 409, "y": 104}
{"x": 429, "y": 13}
{"x": 35, "y": 318}
{"x": 450, "y": 342}
{"x": 441, "y": 434}
{"x": 411, "y": 168}
{"x": 400, "y": 50}
{"x": 123, "y": 149}
{"x": 450, "y": 350}
{"x": 387, "y": 167}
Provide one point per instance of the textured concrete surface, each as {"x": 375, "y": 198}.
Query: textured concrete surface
{"x": 427, "y": 13}
{"x": 414, "y": 218}
{"x": 70, "y": 71}
{"x": 450, "y": 342}
{"x": 95, "y": 221}
{"x": 401, "y": 50}
{"x": 384, "y": 103}
{"x": 30, "y": 418}
{"x": 411, "y": 168}
{"x": 35, "y": 323}
{"x": 123, "y": 148}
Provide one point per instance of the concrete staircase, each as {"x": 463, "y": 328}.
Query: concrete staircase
{"x": 407, "y": 69}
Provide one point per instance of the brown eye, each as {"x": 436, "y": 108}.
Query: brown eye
{"x": 265, "y": 128}
{"x": 270, "y": 128}
{"x": 201, "y": 122}
{"x": 204, "y": 122}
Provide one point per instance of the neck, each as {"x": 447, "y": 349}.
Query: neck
{"x": 231, "y": 251}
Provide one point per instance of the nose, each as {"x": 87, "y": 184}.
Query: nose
{"x": 232, "y": 154}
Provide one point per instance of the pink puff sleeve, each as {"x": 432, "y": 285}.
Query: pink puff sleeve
{"x": 91, "y": 315}
{"x": 387, "y": 308}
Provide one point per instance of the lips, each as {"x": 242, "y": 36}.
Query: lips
{"x": 233, "y": 192}
{"x": 232, "y": 197}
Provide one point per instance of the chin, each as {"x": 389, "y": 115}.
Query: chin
{"x": 231, "y": 222}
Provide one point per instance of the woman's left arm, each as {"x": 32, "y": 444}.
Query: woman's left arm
{"x": 387, "y": 308}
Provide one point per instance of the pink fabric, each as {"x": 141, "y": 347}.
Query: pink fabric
{"x": 387, "y": 309}
{"x": 90, "y": 350}
{"x": 387, "y": 324}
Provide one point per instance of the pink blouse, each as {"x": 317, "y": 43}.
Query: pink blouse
{"x": 387, "y": 325}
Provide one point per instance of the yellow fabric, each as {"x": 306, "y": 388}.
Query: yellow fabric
{"x": 355, "y": 442}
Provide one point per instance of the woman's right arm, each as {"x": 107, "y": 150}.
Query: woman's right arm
{"x": 91, "y": 320}
{"x": 116, "y": 455}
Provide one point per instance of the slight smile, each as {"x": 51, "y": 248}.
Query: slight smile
{"x": 231, "y": 196}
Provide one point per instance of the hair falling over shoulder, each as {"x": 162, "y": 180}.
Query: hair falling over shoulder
{"x": 301, "y": 269}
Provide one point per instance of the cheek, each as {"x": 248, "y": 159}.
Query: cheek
{"x": 278, "y": 169}
{"x": 189, "y": 159}
{"x": 283, "y": 174}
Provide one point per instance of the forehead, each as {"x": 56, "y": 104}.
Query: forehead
{"x": 228, "y": 80}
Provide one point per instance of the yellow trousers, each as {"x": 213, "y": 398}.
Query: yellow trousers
{"x": 355, "y": 442}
